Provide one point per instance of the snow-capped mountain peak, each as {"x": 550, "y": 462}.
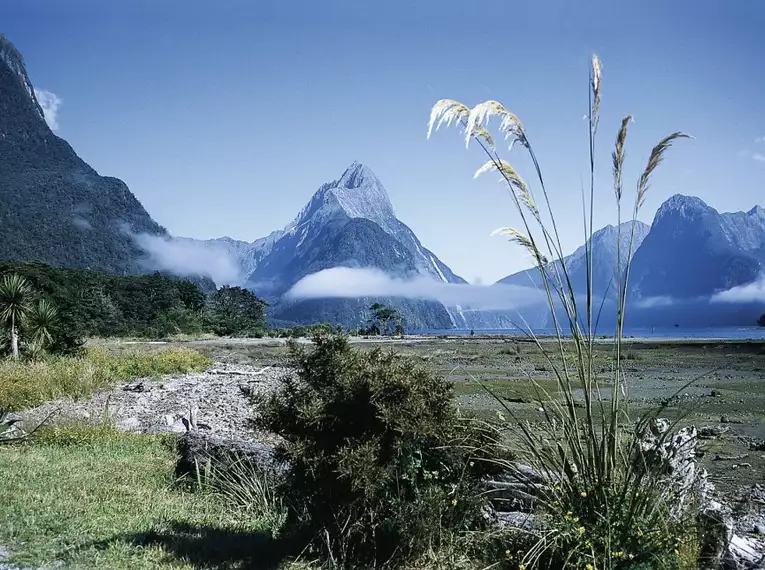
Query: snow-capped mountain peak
{"x": 361, "y": 195}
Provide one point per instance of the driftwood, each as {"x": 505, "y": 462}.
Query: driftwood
{"x": 512, "y": 497}
{"x": 200, "y": 451}
{"x": 239, "y": 372}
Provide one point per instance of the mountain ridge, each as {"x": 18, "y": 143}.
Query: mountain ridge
{"x": 38, "y": 169}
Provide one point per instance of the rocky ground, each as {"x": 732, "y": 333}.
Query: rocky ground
{"x": 221, "y": 397}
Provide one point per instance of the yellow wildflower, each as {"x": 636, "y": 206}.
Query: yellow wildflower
{"x": 568, "y": 514}
{"x": 521, "y": 567}
{"x": 581, "y": 530}
{"x": 589, "y": 567}
{"x": 640, "y": 531}
{"x": 454, "y": 502}
{"x": 583, "y": 494}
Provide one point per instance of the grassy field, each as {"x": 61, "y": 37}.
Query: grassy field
{"x": 94, "y": 498}
{"x": 24, "y": 384}
{"x": 90, "y": 497}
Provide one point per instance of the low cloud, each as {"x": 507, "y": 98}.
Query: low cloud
{"x": 186, "y": 258}
{"x": 658, "y": 301}
{"x": 50, "y": 103}
{"x": 750, "y": 293}
{"x": 81, "y": 223}
{"x": 759, "y": 140}
{"x": 759, "y": 157}
{"x": 346, "y": 282}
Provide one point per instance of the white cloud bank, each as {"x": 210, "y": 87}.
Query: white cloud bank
{"x": 352, "y": 283}
{"x": 187, "y": 258}
{"x": 750, "y": 293}
{"x": 50, "y": 103}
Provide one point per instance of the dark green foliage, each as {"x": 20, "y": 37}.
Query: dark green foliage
{"x": 236, "y": 311}
{"x": 382, "y": 465}
{"x": 96, "y": 304}
{"x": 385, "y": 320}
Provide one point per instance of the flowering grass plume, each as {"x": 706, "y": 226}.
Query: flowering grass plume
{"x": 603, "y": 505}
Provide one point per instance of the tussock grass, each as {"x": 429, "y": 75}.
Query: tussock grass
{"x": 26, "y": 384}
{"x": 604, "y": 507}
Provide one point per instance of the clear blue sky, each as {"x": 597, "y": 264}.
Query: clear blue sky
{"x": 224, "y": 117}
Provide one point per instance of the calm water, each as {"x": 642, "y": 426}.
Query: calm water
{"x": 663, "y": 333}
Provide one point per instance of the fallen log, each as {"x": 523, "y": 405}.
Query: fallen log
{"x": 199, "y": 452}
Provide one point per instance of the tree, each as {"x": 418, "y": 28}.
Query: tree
{"x": 385, "y": 320}
{"x": 14, "y": 306}
{"x": 234, "y": 310}
{"x": 761, "y": 320}
{"x": 41, "y": 322}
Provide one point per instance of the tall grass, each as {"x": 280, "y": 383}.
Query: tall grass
{"x": 26, "y": 384}
{"x": 604, "y": 507}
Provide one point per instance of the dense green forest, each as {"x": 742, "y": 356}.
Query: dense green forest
{"x": 90, "y": 303}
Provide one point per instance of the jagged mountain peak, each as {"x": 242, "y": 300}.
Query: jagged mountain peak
{"x": 358, "y": 193}
{"x": 683, "y": 205}
{"x": 624, "y": 228}
{"x": 11, "y": 58}
{"x": 361, "y": 194}
{"x": 357, "y": 175}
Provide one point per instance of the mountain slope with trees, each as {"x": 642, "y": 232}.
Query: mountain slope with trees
{"x": 54, "y": 208}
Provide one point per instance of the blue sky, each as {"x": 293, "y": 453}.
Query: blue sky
{"x": 224, "y": 117}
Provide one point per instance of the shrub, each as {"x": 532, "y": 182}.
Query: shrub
{"x": 605, "y": 509}
{"x": 381, "y": 462}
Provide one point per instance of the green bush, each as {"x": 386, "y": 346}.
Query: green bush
{"x": 383, "y": 466}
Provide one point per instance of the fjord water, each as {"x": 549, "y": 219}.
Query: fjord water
{"x": 653, "y": 333}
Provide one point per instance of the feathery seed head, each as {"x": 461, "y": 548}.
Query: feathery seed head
{"x": 509, "y": 175}
{"x": 657, "y": 154}
{"x": 446, "y": 112}
{"x": 595, "y": 84}
{"x": 510, "y": 124}
{"x": 617, "y": 157}
{"x": 524, "y": 241}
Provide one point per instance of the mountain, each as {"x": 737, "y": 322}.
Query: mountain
{"x": 347, "y": 223}
{"x": 319, "y": 239}
{"x": 605, "y": 255}
{"x": 693, "y": 250}
{"x": 54, "y": 208}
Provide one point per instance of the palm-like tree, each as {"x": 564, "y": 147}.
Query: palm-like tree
{"x": 40, "y": 321}
{"x": 14, "y": 306}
